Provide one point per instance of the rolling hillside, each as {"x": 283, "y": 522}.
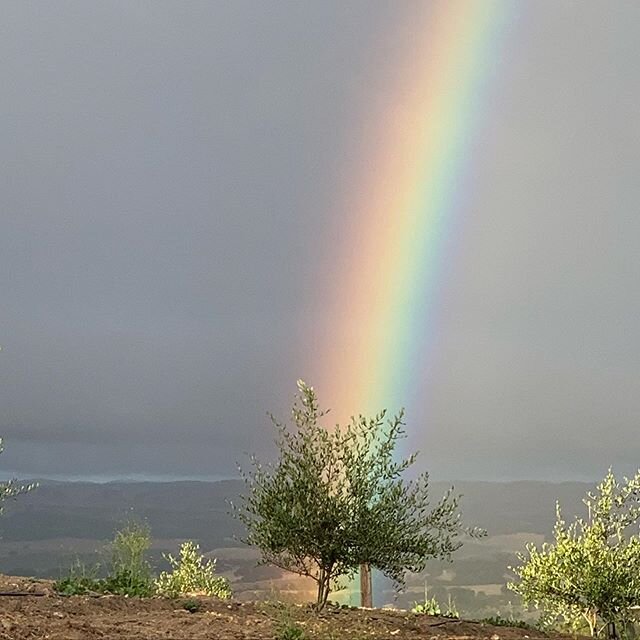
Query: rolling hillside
{"x": 45, "y": 532}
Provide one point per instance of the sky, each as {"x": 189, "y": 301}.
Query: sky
{"x": 173, "y": 184}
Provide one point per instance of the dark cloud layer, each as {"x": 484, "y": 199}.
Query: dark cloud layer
{"x": 170, "y": 171}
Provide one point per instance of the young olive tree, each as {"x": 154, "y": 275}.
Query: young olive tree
{"x": 336, "y": 500}
{"x": 192, "y": 575}
{"x": 590, "y": 574}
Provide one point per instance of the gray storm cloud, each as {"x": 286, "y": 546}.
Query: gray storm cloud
{"x": 170, "y": 175}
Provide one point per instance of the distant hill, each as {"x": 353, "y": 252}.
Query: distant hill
{"x": 512, "y": 507}
{"x": 47, "y": 530}
{"x": 195, "y": 510}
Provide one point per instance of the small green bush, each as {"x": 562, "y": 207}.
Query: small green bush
{"x": 451, "y": 611}
{"x": 283, "y": 617}
{"x": 428, "y": 607}
{"x": 290, "y": 631}
{"x": 499, "y": 621}
{"x": 130, "y": 573}
{"x": 192, "y": 605}
{"x": 80, "y": 581}
{"x": 191, "y": 574}
{"x": 122, "y": 583}
{"x": 127, "y": 583}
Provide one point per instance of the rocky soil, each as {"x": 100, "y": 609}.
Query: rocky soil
{"x": 29, "y": 609}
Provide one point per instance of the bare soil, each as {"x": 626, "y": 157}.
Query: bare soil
{"x": 29, "y": 609}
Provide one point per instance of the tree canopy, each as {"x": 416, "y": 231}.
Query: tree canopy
{"x": 590, "y": 573}
{"x": 337, "y": 499}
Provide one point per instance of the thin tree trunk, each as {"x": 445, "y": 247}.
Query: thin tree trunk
{"x": 366, "y": 592}
{"x": 325, "y": 597}
{"x": 324, "y": 588}
{"x": 320, "y": 595}
{"x": 592, "y": 621}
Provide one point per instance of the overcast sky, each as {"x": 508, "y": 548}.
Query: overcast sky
{"x": 170, "y": 174}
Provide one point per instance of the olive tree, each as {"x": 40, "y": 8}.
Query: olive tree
{"x": 590, "y": 573}
{"x": 336, "y": 499}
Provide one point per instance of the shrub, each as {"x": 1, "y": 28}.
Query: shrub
{"x": 431, "y": 607}
{"x": 590, "y": 573}
{"x": 192, "y": 574}
{"x": 122, "y": 583}
{"x": 451, "y": 611}
{"x": 290, "y": 631}
{"x": 191, "y": 605}
{"x": 131, "y": 573}
{"x": 499, "y": 621}
{"x": 126, "y": 583}
{"x": 428, "y": 607}
{"x": 80, "y": 581}
{"x": 129, "y": 548}
{"x": 286, "y": 626}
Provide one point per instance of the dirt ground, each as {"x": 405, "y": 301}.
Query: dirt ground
{"x": 43, "y": 615}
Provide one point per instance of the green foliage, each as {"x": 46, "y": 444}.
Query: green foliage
{"x": 451, "y": 611}
{"x": 590, "y": 574}
{"x": 286, "y": 626}
{"x": 122, "y": 583}
{"x": 130, "y": 573}
{"x": 192, "y": 605}
{"x": 290, "y": 631}
{"x": 337, "y": 499}
{"x": 79, "y": 581}
{"x": 129, "y": 548}
{"x": 11, "y": 488}
{"x": 127, "y": 583}
{"x": 192, "y": 574}
{"x": 428, "y": 607}
{"x": 72, "y": 586}
{"x": 283, "y": 616}
{"x": 431, "y": 607}
{"x": 499, "y": 621}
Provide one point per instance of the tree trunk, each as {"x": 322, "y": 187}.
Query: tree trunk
{"x": 320, "y": 595}
{"x": 592, "y": 620}
{"x": 325, "y": 597}
{"x": 324, "y": 588}
{"x": 366, "y": 595}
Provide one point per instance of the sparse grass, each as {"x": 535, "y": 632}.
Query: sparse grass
{"x": 282, "y": 615}
{"x": 290, "y": 631}
{"x": 451, "y": 611}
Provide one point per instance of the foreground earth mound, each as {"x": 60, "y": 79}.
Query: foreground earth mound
{"x": 29, "y": 609}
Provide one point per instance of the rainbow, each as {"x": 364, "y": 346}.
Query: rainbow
{"x": 409, "y": 195}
